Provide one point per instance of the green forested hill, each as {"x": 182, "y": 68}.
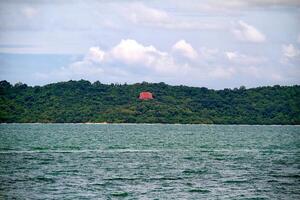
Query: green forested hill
{"x": 82, "y": 101}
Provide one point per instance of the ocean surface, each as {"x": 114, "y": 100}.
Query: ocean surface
{"x": 97, "y": 161}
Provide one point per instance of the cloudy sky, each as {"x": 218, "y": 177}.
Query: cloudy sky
{"x": 215, "y": 44}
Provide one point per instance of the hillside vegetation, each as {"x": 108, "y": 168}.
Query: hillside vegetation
{"x": 82, "y": 101}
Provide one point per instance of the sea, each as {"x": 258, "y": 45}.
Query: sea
{"x": 149, "y": 161}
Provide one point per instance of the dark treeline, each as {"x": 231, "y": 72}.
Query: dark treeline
{"x": 82, "y": 101}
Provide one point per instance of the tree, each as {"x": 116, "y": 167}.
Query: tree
{"x": 81, "y": 101}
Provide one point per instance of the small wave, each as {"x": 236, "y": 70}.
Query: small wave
{"x": 194, "y": 171}
{"x": 6, "y": 149}
{"x": 296, "y": 176}
{"x": 236, "y": 181}
{"x": 118, "y": 147}
{"x": 119, "y": 194}
{"x": 83, "y": 151}
{"x": 272, "y": 181}
{"x": 121, "y": 179}
{"x": 189, "y": 158}
{"x": 88, "y": 151}
{"x": 165, "y": 178}
{"x": 144, "y": 179}
{"x": 44, "y": 179}
{"x": 124, "y": 150}
{"x": 256, "y": 198}
{"x": 40, "y": 148}
{"x": 199, "y": 190}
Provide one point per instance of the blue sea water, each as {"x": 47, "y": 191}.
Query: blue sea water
{"x": 140, "y": 161}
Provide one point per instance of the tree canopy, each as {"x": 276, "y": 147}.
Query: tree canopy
{"x": 82, "y": 101}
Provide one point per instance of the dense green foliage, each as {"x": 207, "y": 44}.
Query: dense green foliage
{"x": 82, "y": 101}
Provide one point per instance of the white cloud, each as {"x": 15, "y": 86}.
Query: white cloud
{"x": 253, "y": 71}
{"x": 185, "y": 49}
{"x": 208, "y": 53}
{"x": 95, "y": 54}
{"x": 29, "y": 12}
{"x": 130, "y": 61}
{"x": 238, "y": 58}
{"x": 132, "y": 57}
{"x": 193, "y": 25}
{"x": 290, "y": 51}
{"x": 231, "y": 55}
{"x": 276, "y": 77}
{"x": 222, "y": 72}
{"x": 214, "y": 5}
{"x": 260, "y": 3}
{"x": 84, "y": 68}
{"x": 139, "y": 13}
{"x": 245, "y": 32}
{"x": 131, "y": 52}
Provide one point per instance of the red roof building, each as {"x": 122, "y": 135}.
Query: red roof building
{"x": 145, "y": 95}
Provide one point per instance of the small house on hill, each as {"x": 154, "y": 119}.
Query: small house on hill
{"x": 145, "y": 95}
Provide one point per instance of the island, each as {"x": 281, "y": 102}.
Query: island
{"x": 85, "y": 102}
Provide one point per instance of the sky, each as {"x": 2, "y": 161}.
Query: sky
{"x": 215, "y": 44}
